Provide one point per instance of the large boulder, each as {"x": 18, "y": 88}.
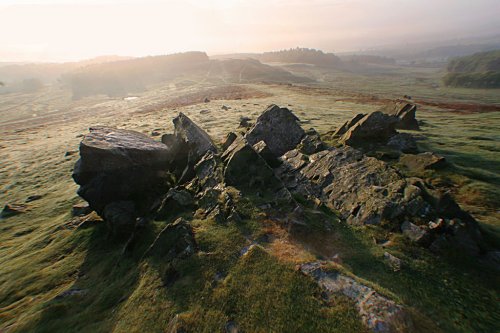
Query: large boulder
{"x": 118, "y": 165}
{"x": 405, "y": 112}
{"x": 278, "y": 128}
{"x": 374, "y": 127}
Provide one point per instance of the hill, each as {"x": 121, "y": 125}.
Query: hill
{"x": 480, "y": 70}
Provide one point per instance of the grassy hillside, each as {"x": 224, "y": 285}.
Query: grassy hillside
{"x": 480, "y": 70}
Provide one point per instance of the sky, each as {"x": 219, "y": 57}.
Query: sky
{"x": 64, "y": 30}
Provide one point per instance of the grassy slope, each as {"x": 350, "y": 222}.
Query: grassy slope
{"x": 39, "y": 259}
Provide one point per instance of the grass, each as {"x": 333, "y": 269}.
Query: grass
{"x": 41, "y": 258}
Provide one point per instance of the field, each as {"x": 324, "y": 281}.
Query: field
{"x": 42, "y": 254}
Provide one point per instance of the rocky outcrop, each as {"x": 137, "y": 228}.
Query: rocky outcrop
{"x": 121, "y": 166}
{"x": 12, "y": 209}
{"x": 374, "y": 127}
{"x": 377, "y": 312}
{"x": 278, "y": 128}
{"x": 405, "y": 112}
{"x": 365, "y": 190}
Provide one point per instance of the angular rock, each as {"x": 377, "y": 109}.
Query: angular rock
{"x": 393, "y": 261}
{"x": 33, "y": 198}
{"x": 311, "y": 143}
{"x": 403, "y": 142}
{"x": 374, "y": 127}
{"x": 197, "y": 139}
{"x": 175, "y": 201}
{"x": 348, "y": 124}
{"x": 423, "y": 161}
{"x": 413, "y": 232}
{"x": 244, "y": 167}
{"x": 406, "y": 114}
{"x": 278, "y": 128}
{"x": 121, "y": 165}
{"x": 263, "y": 150}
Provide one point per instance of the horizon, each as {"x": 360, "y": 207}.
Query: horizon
{"x": 72, "y": 30}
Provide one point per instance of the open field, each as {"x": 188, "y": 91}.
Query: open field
{"x": 42, "y": 254}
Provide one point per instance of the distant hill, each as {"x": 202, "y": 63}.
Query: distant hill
{"x": 480, "y": 70}
{"x": 368, "y": 59}
{"x": 121, "y": 77}
{"x": 301, "y": 55}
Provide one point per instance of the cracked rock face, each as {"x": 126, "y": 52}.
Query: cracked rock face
{"x": 197, "y": 139}
{"x": 377, "y": 312}
{"x": 278, "y": 128}
{"x": 406, "y": 114}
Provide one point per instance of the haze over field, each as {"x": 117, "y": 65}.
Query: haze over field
{"x": 62, "y": 30}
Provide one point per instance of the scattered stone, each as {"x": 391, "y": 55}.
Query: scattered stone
{"x": 12, "y": 209}
{"x": 225, "y": 108}
{"x": 81, "y": 209}
{"x": 393, "y": 261}
{"x": 231, "y": 327}
{"x": 206, "y": 100}
{"x": 155, "y": 133}
{"x": 403, "y": 142}
{"x": 423, "y": 161}
{"x": 374, "y": 127}
{"x": 33, "y": 198}
{"x": 413, "y": 232}
{"x": 70, "y": 153}
{"x": 377, "y": 312}
{"x": 278, "y": 128}
{"x": 204, "y": 111}
{"x": 72, "y": 292}
{"x": 245, "y": 122}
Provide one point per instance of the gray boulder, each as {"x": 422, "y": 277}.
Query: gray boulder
{"x": 278, "y": 128}
{"x": 374, "y": 127}
{"x": 121, "y": 165}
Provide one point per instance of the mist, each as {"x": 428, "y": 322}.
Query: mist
{"x": 49, "y": 30}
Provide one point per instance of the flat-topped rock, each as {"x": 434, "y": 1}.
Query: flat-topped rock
{"x": 405, "y": 112}
{"x": 120, "y": 165}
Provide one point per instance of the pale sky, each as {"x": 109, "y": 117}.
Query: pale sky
{"x": 57, "y": 30}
